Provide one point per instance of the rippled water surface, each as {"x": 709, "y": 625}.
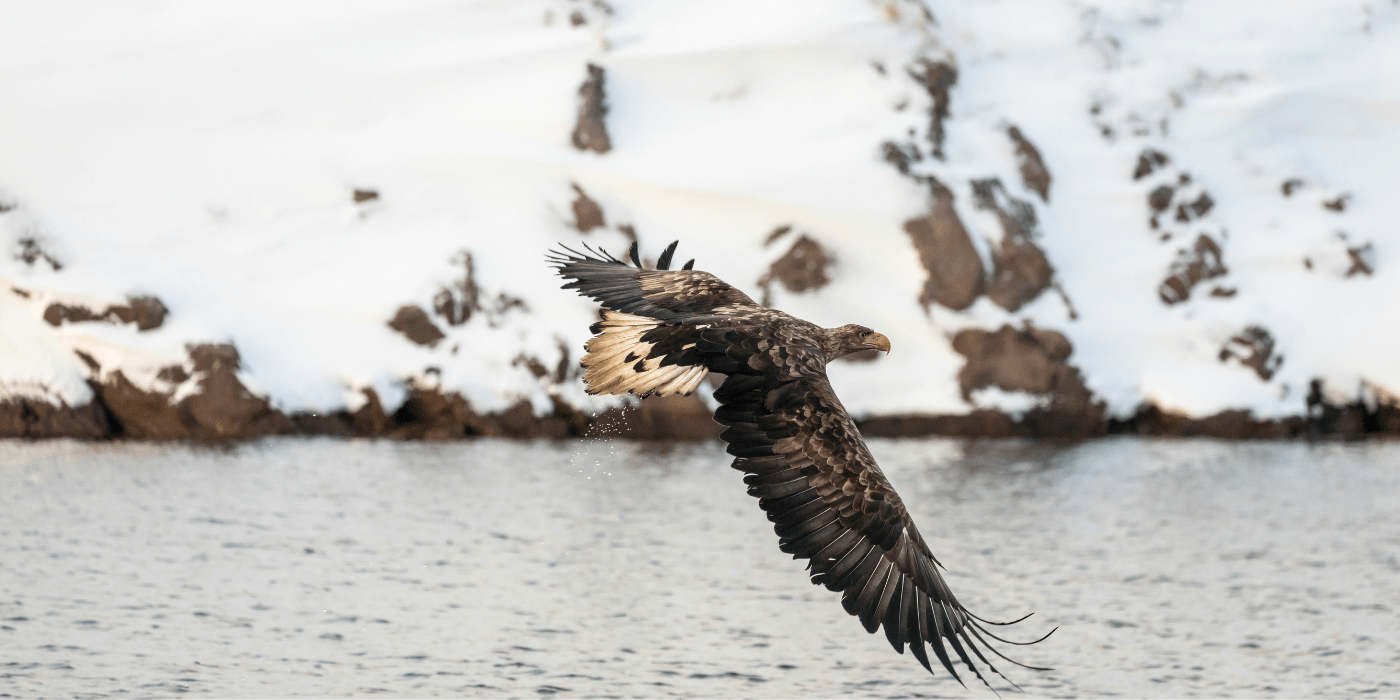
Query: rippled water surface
{"x": 494, "y": 568}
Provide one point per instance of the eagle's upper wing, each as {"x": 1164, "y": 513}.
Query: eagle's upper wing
{"x": 830, "y": 503}
{"x": 663, "y": 294}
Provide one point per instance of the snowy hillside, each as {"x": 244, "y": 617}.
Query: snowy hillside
{"x": 226, "y": 219}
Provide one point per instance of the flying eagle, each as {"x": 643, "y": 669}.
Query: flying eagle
{"x": 661, "y": 331}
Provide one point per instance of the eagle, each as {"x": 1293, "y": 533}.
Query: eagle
{"x": 661, "y": 331}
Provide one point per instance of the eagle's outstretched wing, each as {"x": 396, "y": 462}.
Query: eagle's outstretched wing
{"x": 806, "y": 461}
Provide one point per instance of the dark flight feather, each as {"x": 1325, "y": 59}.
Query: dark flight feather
{"x": 803, "y": 456}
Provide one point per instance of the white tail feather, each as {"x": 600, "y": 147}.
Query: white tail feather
{"x": 607, "y": 371}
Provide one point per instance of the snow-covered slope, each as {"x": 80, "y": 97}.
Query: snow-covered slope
{"x": 1193, "y": 199}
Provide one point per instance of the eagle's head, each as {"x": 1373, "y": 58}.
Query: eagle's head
{"x": 853, "y": 338}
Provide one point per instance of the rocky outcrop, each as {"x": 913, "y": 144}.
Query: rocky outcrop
{"x": 148, "y": 313}
{"x": 955, "y": 271}
{"x": 1033, "y": 171}
{"x": 1203, "y": 261}
{"x": 1148, "y": 162}
{"x": 587, "y": 214}
{"x": 1020, "y": 270}
{"x": 803, "y": 268}
{"x": 1034, "y": 361}
{"x": 937, "y": 78}
{"x": 218, "y": 406}
{"x": 36, "y": 418}
{"x": 29, "y": 250}
{"x": 591, "y": 131}
{"x": 1254, "y": 348}
{"x": 412, "y": 322}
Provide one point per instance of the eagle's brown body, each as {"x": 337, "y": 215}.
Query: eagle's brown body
{"x": 663, "y": 330}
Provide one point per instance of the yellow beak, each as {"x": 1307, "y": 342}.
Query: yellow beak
{"x": 878, "y": 341}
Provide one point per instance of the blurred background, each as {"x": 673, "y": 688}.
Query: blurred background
{"x": 1143, "y": 216}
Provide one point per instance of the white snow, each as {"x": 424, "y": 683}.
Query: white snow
{"x": 205, "y": 153}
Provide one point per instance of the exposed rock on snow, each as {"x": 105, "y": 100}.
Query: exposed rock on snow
{"x": 1033, "y": 171}
{"x": 30, "y": 251}
{"x": 1254, "y": 348}
{"x": 413, "y": 322}
{"x": 591, "y": 130}
{"x": 1149, "y": 161}
{"x": 803, "y": 268}
{"x": 1020, "y": 270}
{"x": 1034, "y": 361}
{"x": 457, "y": 302}
{"x": 955, "y": 272}
{"x": 937, "y": 78}
{"x": 148, "y": 313}
{"x": 1203, "y": 261}
{"x": 587, "y": 214}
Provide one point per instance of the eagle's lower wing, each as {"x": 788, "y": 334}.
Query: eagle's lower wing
{"x": 662, "y": 294}
{"x": 812, "y": 473}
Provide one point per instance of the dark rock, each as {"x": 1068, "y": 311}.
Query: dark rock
{"x": 370, "y": 420}
{"x": 902, "y": 156}
{"x": 520, "y": 421}
{"x": 36, "y": 419}
{"x": 1254, "y": 348}
{"x": 362, "y": 196}
{"x": 936, "y": 78}
{"x": 1031, "y": 360}
{"x": 1363, "y": 260}
{"x": 803, "y": 268}
{"x": 429, "y": 414}
{"x": 1033, "y": 171}
{"x": 1196, "y": 209}
{"x": 30, "y": 252}
{"x": 146, "y": 312}
{"x": 776, "y": 234}
{"x": 1159, "y": 199}
{"x": 413, "y": 322}
{"x": 1020, "y": 270}
{"x": 1337, "y": 204}
{"x": 92, "y": 364}
{"x": 1149, "y": 419}
{"x": 12, "y": 423}
{"x": 590, "y": 132}
{"x": 1148, "y": 162}
{"x": 1013, "y": 360}
{"x": 955, "y": 272}
{"x": 222, "y": 408}
{"x": 457, "y": 302}
{"x": 1202, "y": 262}
{"x": 175, "y": 374}
{"x": 139, "y": 414}
{"x": 587, "y": 214}
{"x": 1290, "y": 186}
